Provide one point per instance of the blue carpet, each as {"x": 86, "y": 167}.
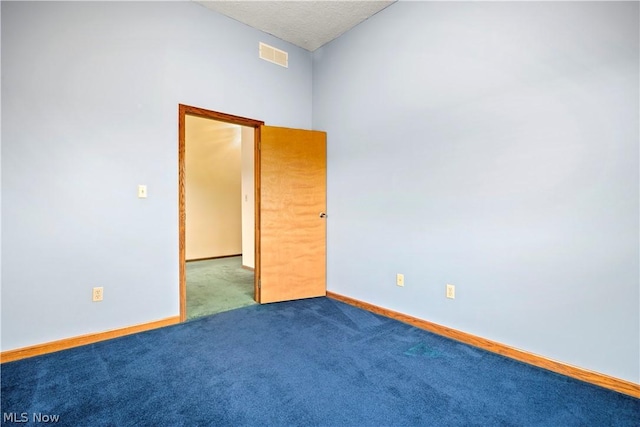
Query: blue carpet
{"x": 308, "y": 362}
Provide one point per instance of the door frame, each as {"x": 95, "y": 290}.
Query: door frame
{"x": 184, "y": 110}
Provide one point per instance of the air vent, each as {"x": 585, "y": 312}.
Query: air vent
{"x": 271, "y": 54}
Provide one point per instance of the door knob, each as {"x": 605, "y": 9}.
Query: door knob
{"x": 323, "y": 215}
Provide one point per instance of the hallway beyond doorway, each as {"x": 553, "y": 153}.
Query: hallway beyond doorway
{"x": 217, "y": 285}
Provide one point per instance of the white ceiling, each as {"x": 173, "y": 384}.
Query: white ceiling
{"x": 306, "y": 23}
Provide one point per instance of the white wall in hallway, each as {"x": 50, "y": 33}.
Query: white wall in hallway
{"x": 213, "y": 181}
{"x": 248, "y": 200}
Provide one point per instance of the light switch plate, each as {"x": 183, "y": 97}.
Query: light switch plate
{"x": 142, "y": 191}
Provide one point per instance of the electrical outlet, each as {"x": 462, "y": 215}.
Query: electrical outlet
{"x": 98, "y": 293}
{"x": 400, "y": 279}
{"x": 451, "y": 291}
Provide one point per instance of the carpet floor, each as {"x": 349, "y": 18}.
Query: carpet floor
{"x": 217, "y": 285}
{"x": 302, "y": 363}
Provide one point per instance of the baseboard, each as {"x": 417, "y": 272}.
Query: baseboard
{"x": 50, "y": 347}
{"x": 248, "y": 268}
{"x": 212, "y": 257}
{"x": 602, "y": 380}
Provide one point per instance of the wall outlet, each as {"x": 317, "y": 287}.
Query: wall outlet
{"x": 400, "y": 279}
{"x": 98, "y": 293}
{"x": 451, "y": 291}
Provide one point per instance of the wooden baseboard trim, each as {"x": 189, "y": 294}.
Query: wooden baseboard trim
{"x": 602, "y": 380}
{"x": 212, "y": 257}
{"x": 248, "y": 268}
{"x": 50, "y": 347}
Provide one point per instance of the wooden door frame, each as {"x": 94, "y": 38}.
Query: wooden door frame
{"x": 184, "y": 110}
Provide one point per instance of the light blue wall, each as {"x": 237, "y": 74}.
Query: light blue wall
{"x": 493, "y": 146}
{"x": 90, "y": 95}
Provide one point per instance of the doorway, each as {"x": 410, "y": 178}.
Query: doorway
{"x": 216, "y": 265}
{"x": 290, "y": 209}
{"x": 219, "y": 187}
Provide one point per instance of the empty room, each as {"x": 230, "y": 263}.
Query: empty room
{"x": 444, "y": 225}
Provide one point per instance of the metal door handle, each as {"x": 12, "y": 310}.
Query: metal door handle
{"x": 323, "y": 215}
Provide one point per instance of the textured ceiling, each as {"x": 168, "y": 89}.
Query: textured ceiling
{"x": 308, "y": 24}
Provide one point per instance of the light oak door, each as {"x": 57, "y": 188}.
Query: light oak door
{"x": 292, "y": 230}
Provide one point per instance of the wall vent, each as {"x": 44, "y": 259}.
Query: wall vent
{"x": 271, "y": 54}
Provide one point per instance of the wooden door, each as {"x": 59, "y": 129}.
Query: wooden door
{"x": 292, "y": 230}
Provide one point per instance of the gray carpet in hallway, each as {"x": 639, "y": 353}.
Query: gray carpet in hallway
{"x": 217, "y": 285}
